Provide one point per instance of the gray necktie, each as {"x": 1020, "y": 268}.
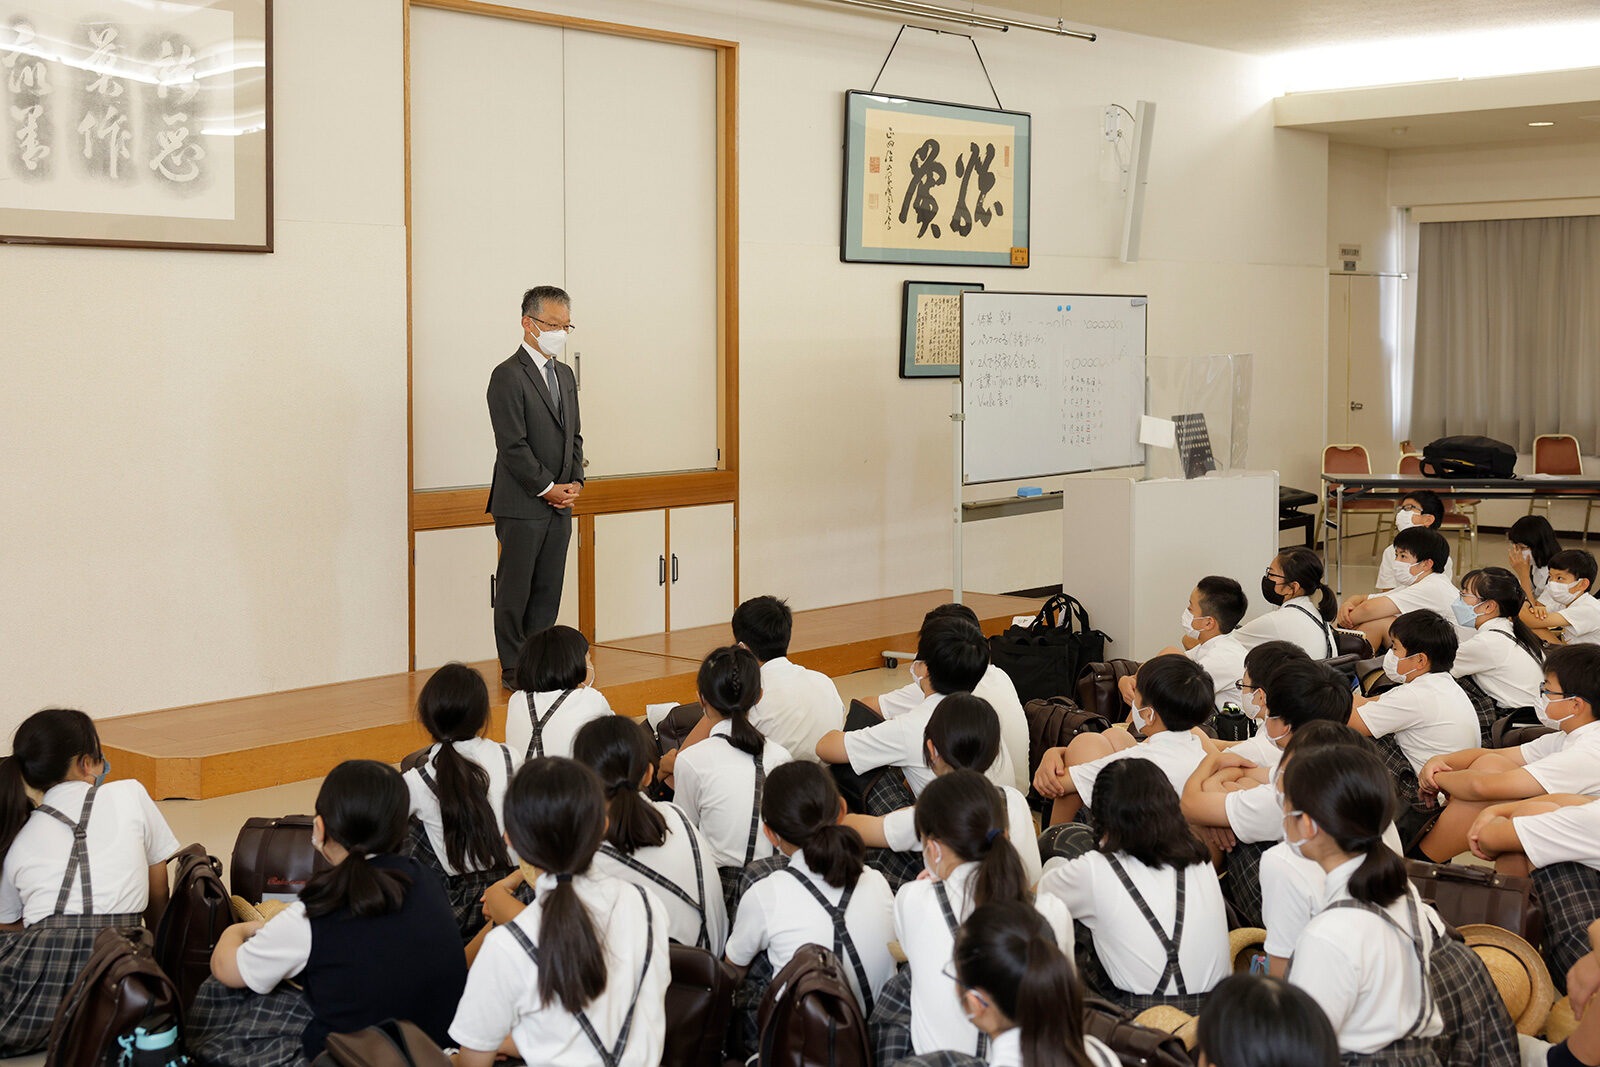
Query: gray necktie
{"x": 555, "y": 388}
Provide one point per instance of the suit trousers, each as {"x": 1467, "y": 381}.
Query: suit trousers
{"x": 533, "y": 563}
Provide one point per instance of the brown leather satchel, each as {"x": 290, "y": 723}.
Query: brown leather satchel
{"x": 118, "y": 989}
{"x": 1135, "y": 1045}
{"x": 1465, "y": 895}
{"x": 676, "y": 726}
{"x": 1515, "y": 729}
{"x": 391, "y": 1043}
{"x": 273, "y": 858}
{"x": 197, "y": 914}
{"x": 809, "y": 1016}
{"x": 699, "y": 1006}
{"x": 1097, "y": 688}
{"x": 1054, "y": 722}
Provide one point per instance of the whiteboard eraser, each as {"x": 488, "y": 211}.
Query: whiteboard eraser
{"x": 1030, "y": 490}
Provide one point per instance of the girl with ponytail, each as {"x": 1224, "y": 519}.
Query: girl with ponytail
{"x": 719, "y": 782}
{"x": 457, "y": 791}
{"x": 1293, "y": 583}
{"x": 650, "y": 843}
{"x": 580, "y": 976}
{"x": 371, "y": 938}
{"x": 1501, "y": 666}
{"x": 1148, "y": 894}
{"x": 555, "y": 694}
{"x": 962, "y": 822}
{"x": 59, "y": 889}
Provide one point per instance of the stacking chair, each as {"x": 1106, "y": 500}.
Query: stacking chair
{"x": 1557, "y": 454}
{"x": 1349, "y": 459}
{"x": 1459, "y": 515}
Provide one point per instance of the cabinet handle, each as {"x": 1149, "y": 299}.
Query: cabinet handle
{"x": 661, "y": 570}
{"x": 674, "y": 568}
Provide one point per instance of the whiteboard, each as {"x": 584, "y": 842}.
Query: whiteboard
{"x": 1051, "y": 383}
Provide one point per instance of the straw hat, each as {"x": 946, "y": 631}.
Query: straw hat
{"x": 1170, "y": 1020}
{"x": 1244, "y": 943}
{"x": 246, "y": 912}
{"x": 1562, "y": 1022}
{"x": 1519, "y": 972}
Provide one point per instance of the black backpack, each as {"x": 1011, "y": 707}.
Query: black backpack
{"x": 1468, "y": 457}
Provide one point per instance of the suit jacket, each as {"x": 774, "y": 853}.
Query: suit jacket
{"x": 533, "y": 448}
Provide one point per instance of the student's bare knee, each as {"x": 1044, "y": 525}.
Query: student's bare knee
{"x": 1086, "y": 748}
{"x": 1492, "y": 763}
{"x": 1119, "y": 739}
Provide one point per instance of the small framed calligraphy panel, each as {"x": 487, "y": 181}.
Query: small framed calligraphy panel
{"x": 930, "y": 328}
{"x": 927, "y": 182}
{"x": 136, "y": 123}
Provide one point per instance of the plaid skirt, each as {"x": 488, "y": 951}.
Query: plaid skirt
{"x": 1099, "y": 984}
{"x": 1400, "y": 769}
{"x": 889, "y": 792}
{"x": 1478, "y": 1030}
{"x": 897, "y": 868}
{"x": 242, "y": 1028}
{"x": 38, "y": 965}
{"x": 464, "y": 891}
{"x": 1407, "y": 1052}
{"x": 889, "y": 1027}
{"x": 1241, "y": 885}
{"x": 743, "y": 1038}
{"x": 1570, "y": 896}
{"x": 1482, "y": 703}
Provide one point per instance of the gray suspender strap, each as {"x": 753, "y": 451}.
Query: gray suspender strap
{"x": 950, "y": 921}
{"x": 704, "y": 940}
{"x": 1415, "y": 916}
{"x": 78, "y": 861}
{"x": 1174, "y": 970}
{"x": 843, "y": 944}
{"x": 433, "y": 787}
{"x": 538, "y": 722}
{"x": 613, "y": 1056}
{"x": 1327, "y": 634}
{"x": 755, "y": 806}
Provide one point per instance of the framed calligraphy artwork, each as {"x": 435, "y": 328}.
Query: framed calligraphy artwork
{"x": 137, "y": 124}
{"x": 930, "y": 328}
{"x": 927, "y": 182}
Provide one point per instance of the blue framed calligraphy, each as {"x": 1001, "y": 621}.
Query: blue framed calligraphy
{"x": 929, "y": 182}
{"x": 137, "y": 124}
{"x": 930, "y": 328}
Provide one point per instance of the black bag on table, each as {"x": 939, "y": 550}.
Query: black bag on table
{"x": 1044, "y": 658}
{"x": 1468, "y": 457}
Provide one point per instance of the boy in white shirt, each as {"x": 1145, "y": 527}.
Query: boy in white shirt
{"x": 1421, "y": 508}
{"x": 1567, "y": 610}
{"x": 797, "y": 705}
{"x": 1421, "y": 557}
{"x": 1216, "y": 605}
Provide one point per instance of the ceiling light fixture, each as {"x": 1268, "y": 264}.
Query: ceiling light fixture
{"x": 1541, "y": 124}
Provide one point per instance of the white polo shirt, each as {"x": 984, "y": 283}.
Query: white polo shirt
{"x": 126, "y": 837}
{"x": 995, "y": 687}
{"x": 1255, "y": 814}
{"x": 1127, "y": 946}
{"x": 1291, "y": 892}
{"x": 797, "y": 707}
{"x": 900, "y": 830}
{"x": 1006, "y": 1050}
{"x": 1258, "y": 749}
{"x": 502, "y": 994}
{"x": 898, "y": 742}
{"x": 491, "y": 756}
{"x": 1504, "y": 669}
{"x": 777, "y": 915}
{"x": 1566, "y": 763}
{"x": 1428, "y": 716}
{"x": 674, "y": 860}
{"x": 937, "y": 1021}
{"x": 1432, "y": 592}
{"x": 1291, "y": 622}
{"x": 1177, "y": 754}
{"x": 1389, "y": 570}
{"x": 1566, "y": 835}
{"x": 1582, "y": 615}
{"x": 1223, "y": 659}
{"x": 584, "y": 704}
{"x": 715, "y": 785}
{"x": 1362, "y": 972}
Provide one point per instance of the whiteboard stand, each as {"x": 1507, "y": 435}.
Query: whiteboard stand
{"x": 957, "y": 418}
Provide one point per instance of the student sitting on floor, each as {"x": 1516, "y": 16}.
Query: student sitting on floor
{"x": 555, "y": 694}
{"x": 963, "y": 733}
{"x": 1424, "y": 716}
{"x": 1251, "y": 1020}
{"x": 1173, "y": 697}
{"x": 650, "y": 843}
{"x": 1148, "y": 894}
{"x": 1500, "y": 667}
{"x": 370, "y": 939}
{"x": 1303, "y": 605}
{"x": 1581, "y": 1048}
{"x": 580, "y": 976}
{"x": 458, "y": 791}
{"x": 995, "y": 687}
{"x": 718, "y": 783}
{"x": 59, "y": 890}
{"x": 952, "y": 657}
{"x": 1215, "y": 607}
{"x": 1259, "y": 663}
{"x": 1420, "y": 509}
{"x": 1421, "y": 555}
{"x": 1567, "y": 612}
{"x": 1567, "y": 761}
{"x": 1531, "y": 546}
{"x": 825, "y": 895}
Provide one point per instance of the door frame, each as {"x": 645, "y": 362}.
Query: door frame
{"x": 445, "y": 509}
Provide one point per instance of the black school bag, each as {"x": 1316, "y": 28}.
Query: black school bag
{"x": 1044, "y": 658}
{"x": 1468, "y": 457}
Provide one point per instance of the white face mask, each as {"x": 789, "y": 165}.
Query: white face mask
{"x": 1405, "y": 520}
{"x": 1406, "y": 575}
{"x": 929, "y": 861}
{"x": 551, "y": 344}
{"x": 1391, "y": 667}
{"x": 1253, "y": 708}
{"x": 915, "y": 677}
{"x": 1279, "y": 740}
{"x": 1297, "y": 847}
{"x": 1139, "y": 718}
{"x": 1541, "y": 706}
{"x": 1561, "y": 593}
{"x": 1188, "y": 624}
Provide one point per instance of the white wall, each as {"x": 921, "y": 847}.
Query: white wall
{"x": 235, "y": 516}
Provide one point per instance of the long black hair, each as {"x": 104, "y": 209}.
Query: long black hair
{"x": 1349, "y": 795}
{"x": 364, "y": 806}
{"x": 730, "y": 682}
{"x": 964, "y": 731}
{"x": 1136, "y": 811}
{"x": 1535, "y": 533}
{"x": 1252, "y": 1020}
{"x": 1007, "y": 950}
{"x": 620, "y": 751}
{"x": 43, "y": 752}
{"x": 967, "y": 814}
{"x": 801, "y": 805}
{"x": 1303, "y": 567}
{"x": 556, "y": 816}
{"x": 1499, "y": 586}
{"x": 454, "y": 706}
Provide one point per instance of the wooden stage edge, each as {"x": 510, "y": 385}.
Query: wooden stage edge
{"x": 232, "y": 746}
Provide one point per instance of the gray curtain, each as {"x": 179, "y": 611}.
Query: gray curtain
{"x": 1508, "y": 330}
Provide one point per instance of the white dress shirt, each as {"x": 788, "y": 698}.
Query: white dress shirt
{"x": 584, "y": 704}
{"x": 1566, "y": 763}
{"x": 899, "y": 742}
{"x": 995, "y": 687}
{"x": 541, "y": 364}
{"x": 1292, "y": 889}
{"x": 1431, "y": 592}
{"x": 1290, "y": 623}
{"x": 1428, "y": 716}
{"x": 1501, "y": 667}
{"x": 674, "y": 860}
{"x": 1566, "y": 835}
{"x": 797, "y": 707}
{"x": 900, "y": 831}
{"x": 1389, "y": 570}
{"x": 489, "y": 755}
{"x": 1177, "y": 753}
{"x": 1222, "y": 657}
{"x": 715, "y": 784}
{"x": 1582, "y": 616}
{"x": 1006, "y": 1050}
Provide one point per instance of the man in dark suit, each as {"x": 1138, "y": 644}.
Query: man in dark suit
{"x": 538, "y": 473}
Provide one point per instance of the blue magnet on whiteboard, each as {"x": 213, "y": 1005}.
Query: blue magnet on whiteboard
{"x": 1030, "y": 490}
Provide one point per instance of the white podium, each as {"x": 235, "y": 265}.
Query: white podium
{"x": 1132, "y": 551}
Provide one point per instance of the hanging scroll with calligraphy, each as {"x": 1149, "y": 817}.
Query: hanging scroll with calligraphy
{"x": 930, "y": 329}
{"x": 136, "y": 123}
{"x": 926, "y": 182}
